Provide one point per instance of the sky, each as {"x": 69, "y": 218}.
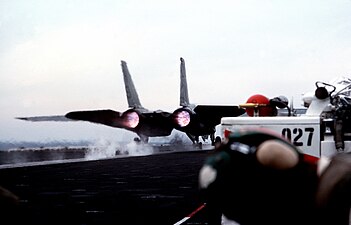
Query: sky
{"x": 61, "y": 56}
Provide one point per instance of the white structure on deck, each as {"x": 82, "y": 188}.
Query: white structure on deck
{"x": 324, "y": 129}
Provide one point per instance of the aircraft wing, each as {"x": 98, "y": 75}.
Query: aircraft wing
{"x": 212, "y": 114}
{"x": 56, "y": 118}
{"x": 106, "y": 116}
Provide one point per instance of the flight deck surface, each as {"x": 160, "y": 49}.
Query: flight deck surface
{"x": 152, "y": 189}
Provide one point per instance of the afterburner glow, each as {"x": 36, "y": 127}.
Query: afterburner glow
{"x": 182, "y": 118}
{"x": 132, "y": 119}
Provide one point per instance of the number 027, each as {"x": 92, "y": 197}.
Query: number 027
{"x": 295, "y": 135}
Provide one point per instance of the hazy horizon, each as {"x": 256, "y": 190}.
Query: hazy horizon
{"x": 61, "y": 56}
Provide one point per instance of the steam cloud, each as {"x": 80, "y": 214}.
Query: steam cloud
{"x": 104, "y": 148}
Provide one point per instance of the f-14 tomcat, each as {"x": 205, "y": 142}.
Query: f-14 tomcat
{"x": 321, "y": 128}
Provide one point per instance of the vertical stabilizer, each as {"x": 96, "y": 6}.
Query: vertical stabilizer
{"x": 132, "y": 95}
{"x": 184, "y": 97}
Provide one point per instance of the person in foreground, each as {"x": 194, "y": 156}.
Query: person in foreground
{"x": 257, "y": 177}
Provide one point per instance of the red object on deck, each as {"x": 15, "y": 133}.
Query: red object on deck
{"x": 262, "y": 110}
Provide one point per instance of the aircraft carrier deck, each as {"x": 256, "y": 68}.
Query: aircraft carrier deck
{"x": 159, "y": 188}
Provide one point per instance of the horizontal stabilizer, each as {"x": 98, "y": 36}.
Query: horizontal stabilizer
{"x": 220, "y": 110}
{"x": 56, "y": 118}
{"x": 212, "y": 114}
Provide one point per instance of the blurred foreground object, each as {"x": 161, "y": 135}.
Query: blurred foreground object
{"x": 257, "y": 177}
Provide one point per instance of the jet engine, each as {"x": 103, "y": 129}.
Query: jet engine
{"x": 131, "y": 118}
{"x": 182, "y": 117}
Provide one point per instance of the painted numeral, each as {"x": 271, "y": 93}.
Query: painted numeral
{"x": 295, "y": 135}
